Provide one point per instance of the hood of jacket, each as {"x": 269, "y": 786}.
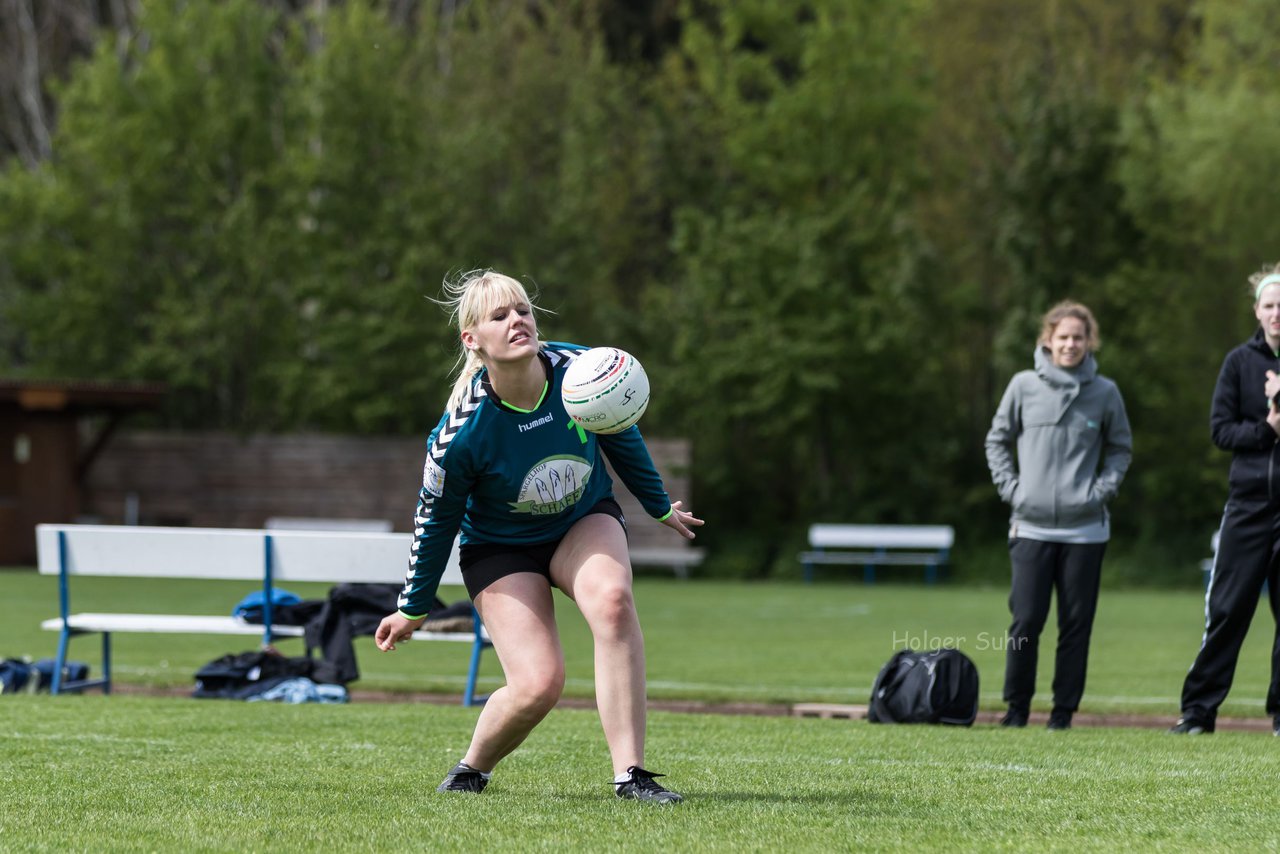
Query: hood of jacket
{"x": 1064, "y": 378}
{"x": 1062, "y": 384}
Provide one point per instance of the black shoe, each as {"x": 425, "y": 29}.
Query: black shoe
{"x": 464, "y": 778}
{"x": 1060, "y": 719}
{"x": 642, "y": 787}
{"x": 1014, "y": 718}
{"x": 1275, "y": 725}
{"x": 1191, "y": 726}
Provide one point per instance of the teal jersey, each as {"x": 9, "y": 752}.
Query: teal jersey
{"x": 505, "y": 476}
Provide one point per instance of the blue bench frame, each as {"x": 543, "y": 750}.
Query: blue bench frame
{"x": 70, "y": 625}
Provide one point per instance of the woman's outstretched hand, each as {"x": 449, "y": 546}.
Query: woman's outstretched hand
{"x": 680, "y": 520}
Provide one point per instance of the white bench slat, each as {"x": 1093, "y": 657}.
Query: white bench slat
{"x": 655, "y": 556}
{"x": 200, "y": 624}
{"x": 885, "y": 558}
{"x": 306, "y": 523}
{"x": 825, "y": 536}
{"x": 164, "y": 623}
{"x": 228, "y": 553}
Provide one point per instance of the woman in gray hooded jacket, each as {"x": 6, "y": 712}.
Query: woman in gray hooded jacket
{"x": 1058, "y": 448}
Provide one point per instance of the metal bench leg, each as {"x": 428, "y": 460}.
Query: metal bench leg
{"x": 469, "y": 695}
{"x": 64, "y": 637}
{"x": 106, "y": 662}
{"x": 869, "y": 570}
{"x": 64, "y": 608}
{"x": 60, "y": 664}
{"x": 473, "y": 672}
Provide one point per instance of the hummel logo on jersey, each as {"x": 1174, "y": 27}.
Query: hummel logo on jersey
{"x": 546, "y": 419}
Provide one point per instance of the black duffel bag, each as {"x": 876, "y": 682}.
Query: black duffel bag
{"x": 937, "y": 686}
{"x": 238, "y": 676}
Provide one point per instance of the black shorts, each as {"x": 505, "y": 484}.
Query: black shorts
{"x": 484, "y": 563}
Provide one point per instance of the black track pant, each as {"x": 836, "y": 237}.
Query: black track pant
{"x": 1248, "y": 547}
{"x": 1039, "y": 568}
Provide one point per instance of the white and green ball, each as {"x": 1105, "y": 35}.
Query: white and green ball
{"x": 605, "y": 390}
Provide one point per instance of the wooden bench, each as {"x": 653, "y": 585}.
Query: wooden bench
{"x": 873, "y": 546}
{"x": 678, "y": 559}
{"x": 266, "y": 557}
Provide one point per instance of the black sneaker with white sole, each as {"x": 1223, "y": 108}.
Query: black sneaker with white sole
{"x": 464, "y": 778}
{"x": 640, "y": 786}
{"x": 1191, "y": 726}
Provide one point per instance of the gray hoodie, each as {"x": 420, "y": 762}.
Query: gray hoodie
{"x": 1073, "y": 446}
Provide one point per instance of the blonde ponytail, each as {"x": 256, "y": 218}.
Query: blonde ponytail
{"x": 471, "y": 365}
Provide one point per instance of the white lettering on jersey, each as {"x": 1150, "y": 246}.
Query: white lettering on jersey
{"x": 546, "y": 419}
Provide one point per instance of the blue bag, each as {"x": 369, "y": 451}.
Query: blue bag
{"x": 14, "y": 675}
{"x": 21, "y": 674}
{"x": 72, "y": 671}
{"x": 250, "y": 608}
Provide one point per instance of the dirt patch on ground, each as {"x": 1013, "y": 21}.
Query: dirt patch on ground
{"x": 1082, "y": 720}
{"x": 804, "y": 710}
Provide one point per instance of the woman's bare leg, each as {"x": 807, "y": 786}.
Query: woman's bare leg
{"x": 592, "y": 566}
{"x": 519, "y": 615}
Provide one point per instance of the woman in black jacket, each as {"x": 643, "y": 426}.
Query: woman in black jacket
{"x": 1245, "y": 419}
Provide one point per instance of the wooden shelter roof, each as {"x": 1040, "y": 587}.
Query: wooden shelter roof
{"x": 81, "y": 395}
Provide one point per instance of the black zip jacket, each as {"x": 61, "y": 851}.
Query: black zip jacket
{"x": 1238, "y": 419}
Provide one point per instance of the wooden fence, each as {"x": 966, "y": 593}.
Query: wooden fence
{"x": 220, "y": 480}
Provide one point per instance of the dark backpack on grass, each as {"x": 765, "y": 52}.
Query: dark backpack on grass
{"x": 14, "y": 675}
{"x": 937, "y": 686}
{"x": 22, "y": 674}
{"x": 238, "y": 676}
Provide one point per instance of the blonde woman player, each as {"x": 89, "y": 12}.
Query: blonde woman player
{"x": 536, "y": 509}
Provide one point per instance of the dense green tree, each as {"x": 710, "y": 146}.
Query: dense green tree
{"x": 139, "y": 250}
{"x": 503, "y": 140}
{"x": 801, "y": 330}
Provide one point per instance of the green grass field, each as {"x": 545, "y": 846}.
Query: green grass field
{"x": 162, "y": 773}
{"x": 133, "y": 773}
